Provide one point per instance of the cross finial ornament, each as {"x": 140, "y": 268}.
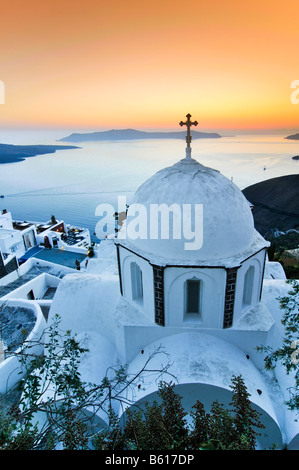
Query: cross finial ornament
{"x": 188, "y": 123}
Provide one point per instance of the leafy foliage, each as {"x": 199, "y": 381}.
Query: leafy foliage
{"x": 159, "y": 426}
{"x": 288, "y": 353}
{"x": 57, "y": 409}
{"x": 163, "y": 425}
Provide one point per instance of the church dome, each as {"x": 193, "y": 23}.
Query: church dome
{"x": 215, "y": 218}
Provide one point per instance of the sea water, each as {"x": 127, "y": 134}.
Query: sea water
{"x": 70, "y": 184}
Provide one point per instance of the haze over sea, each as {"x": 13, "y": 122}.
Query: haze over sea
{"x": 70, "y": 184}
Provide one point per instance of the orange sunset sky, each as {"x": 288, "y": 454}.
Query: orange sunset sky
{"x": 145, "y": 64}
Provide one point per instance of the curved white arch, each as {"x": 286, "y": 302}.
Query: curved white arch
{"x": 203, "y": 367}
{"x": 211, "y": 296}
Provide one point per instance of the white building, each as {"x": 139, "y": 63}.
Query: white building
{"x": 209, "y": 287}
{"x": 11, "y": 240}
{"x": 208, "y": 308}
{"x": 19, "y": 237}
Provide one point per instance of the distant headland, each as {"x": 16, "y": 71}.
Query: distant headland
{"x": 275, "y": 203}
{"x": 132, "y": 134}
{"x": 18, "y": 153}
{"x": 293, "y": 137}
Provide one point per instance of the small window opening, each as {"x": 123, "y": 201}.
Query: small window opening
{"x": 30, "y": 295}
{"x": 137, "y": 285}
{"x": 193, "y": 298}
{"x": 248, "y": 286}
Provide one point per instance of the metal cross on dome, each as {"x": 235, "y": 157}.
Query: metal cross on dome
{"x": 188, "y": 123}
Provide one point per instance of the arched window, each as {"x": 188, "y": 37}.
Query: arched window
{"x": 193, "y": 290}
{"x": 136, "y": 280}
{"x": 248, "y": 286}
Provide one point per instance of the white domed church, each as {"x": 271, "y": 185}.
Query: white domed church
{"x": 187, "y": 272}
{"x": 207, "y": 287}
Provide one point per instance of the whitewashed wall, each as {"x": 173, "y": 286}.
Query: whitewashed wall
{"x": 147, "y": 306}
{"x": 38, "y": 286}
{"x": 212, "y": 296}
{"x": 10, "y": 368}
{"x": 257, "y": 261}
